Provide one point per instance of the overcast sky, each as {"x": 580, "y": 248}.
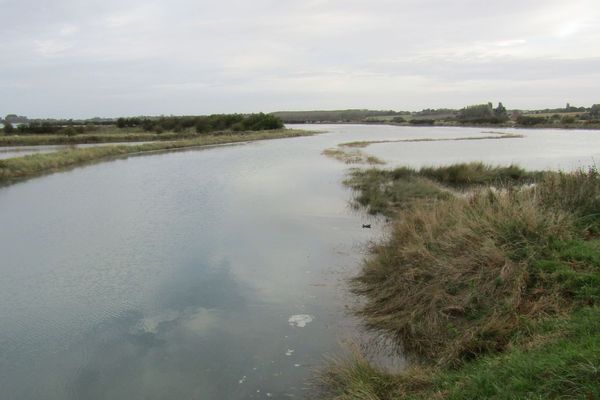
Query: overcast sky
{"x": 86, "y": 58}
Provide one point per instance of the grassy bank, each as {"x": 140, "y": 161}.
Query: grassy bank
{"x": 103, "y": 135}
{"x": 14, "y": 169}
{"x": 490, "y": 292}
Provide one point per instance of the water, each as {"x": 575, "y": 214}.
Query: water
{"x": 204, "y": 274}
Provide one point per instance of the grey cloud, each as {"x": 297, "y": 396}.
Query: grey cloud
{"x": 79, "y": 59}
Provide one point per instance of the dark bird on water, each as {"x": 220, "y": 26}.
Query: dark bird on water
{"x": 367, "y": 226}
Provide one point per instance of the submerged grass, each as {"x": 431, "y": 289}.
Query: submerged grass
{"x": 352, "y": 156}
{"x": 362, "y": 144}
{"x": 493, "y": 294}
{"x": 18, "y": 168}
{"x": 388, "y": 191}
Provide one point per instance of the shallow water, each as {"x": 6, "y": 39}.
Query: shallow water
{"x": 203, "y": 274}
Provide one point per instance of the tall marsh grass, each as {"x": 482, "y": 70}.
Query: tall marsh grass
{"x": 489, "y": 293}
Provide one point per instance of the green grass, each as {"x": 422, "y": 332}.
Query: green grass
{"x": 489, "y": 294}
{"x": 19, "y": 168}
{"x": 567, "y": 367}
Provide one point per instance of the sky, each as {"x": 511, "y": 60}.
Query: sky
{"x": 109, "y": 58}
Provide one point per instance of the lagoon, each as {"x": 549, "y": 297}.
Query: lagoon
{"x": 205, "y": 274}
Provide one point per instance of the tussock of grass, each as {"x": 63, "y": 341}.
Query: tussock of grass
{"x": 496, "y": 293}
{"x": 453, "y": 281}
{"x": 353, "y": 377}
{"x": 14, "y": 169}
{"x": 578, "y": 192}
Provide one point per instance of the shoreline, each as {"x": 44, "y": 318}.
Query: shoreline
{"x": 26, "y": 140}
{"x": 13, "y": 170}
{"x": 499, "y": 126}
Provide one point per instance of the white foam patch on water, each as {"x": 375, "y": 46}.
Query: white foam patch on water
{"x": 289, "y": 352}
{"x": 300, "y": 320}
{"x": 197, "y": 320}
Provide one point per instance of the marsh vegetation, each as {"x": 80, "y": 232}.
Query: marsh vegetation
{"x": 488, "y": 285}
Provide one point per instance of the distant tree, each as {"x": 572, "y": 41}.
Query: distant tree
{"x": 570, "y": 108}
{"x": 595, "y": 111}
{"x": 526, "y": 120}
{"x": 70, "y": 132}
{"x": 568, "y": 119}
{"x": 422, "y": 121}
{"x": 8, "y": 128}
{"x": 500, "y": 112}
{"x": 476, "y": 112}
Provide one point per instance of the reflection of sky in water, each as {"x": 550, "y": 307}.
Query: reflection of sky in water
{"x": 175, "y": 275}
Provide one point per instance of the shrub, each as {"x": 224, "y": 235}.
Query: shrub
{"x": 422, "y": 121}
{"x": 526, "y": 120}
{"x": 8, "y": 128}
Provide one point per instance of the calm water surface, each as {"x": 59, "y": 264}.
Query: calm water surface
{"x": 175, "y": 275}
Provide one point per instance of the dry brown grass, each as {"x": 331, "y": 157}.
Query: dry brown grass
{"x": 493, "y": 294}
{"x": 353, "y": 377}
{"x": 454, "y": 282}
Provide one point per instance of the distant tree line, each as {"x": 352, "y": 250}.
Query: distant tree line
{"x": 201, "y": 124}
{"x": 300, "y": 117}
{"x": 484, "y": 114}
{"x": 46, "y": 128}
{"x": 422, "y": 121}
{"x": 204, "y": 124}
